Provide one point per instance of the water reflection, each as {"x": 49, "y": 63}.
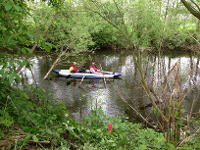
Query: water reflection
{"x": 156, "y": 71}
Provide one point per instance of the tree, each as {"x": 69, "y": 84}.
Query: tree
{"x": 192, "y": 7}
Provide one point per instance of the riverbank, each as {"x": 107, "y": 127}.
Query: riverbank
{"x": 42, "y": 124}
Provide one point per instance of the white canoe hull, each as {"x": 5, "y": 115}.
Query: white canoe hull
{"x": 105, "y": 74}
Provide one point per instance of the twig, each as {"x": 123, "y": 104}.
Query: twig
{"x": 81, "y": 81}
{"x": 169, "y": 117}
{"x": 185, "y": 139}
{"x": 131, "y": 106}
{"x": 41, "y": 142}
{"x": 14, "y": 105}
{"x": 188, "y": 119}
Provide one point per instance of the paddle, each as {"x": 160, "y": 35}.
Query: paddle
{"x": 103, "y": 75}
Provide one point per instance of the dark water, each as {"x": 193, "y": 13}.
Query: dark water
{"x": 155, "y": 69}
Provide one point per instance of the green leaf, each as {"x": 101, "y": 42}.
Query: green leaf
{"x": 19, "y": 62}
{"x": 28, "y": 66}
{"x": 60, "y": 130}
{"x": 7, "y": 7}
{"x": 3, "y": 28}
{"x": 4, "y": 75}
{"x": 23, "y": 50}
{"x": 180, "y": 122}
{"x": 18, "y": 78}
{"x": 35, "y": 139}
{"x": 29, "y": 50}
{"x": 11, "y": 78}
{"x": 35, "y": 20}
{"x": 47, "y": 49}
{"x": 188, "y": 131}
{"x": 13, "y": 42}
{"x": 11, "y": 38}
{"x": 182, "y": 110}
{"x": 55, "y": 47}
{"x": 27, "y": 138}
{"x": 19, "y": 38}
{"x": 11, "y": 63}
{"x": 2, "y": 56}
{"x": 49, "y": 131}
{"x": 26, "y": 96}
{"x": 17, "y": 8}
{"x": 5, "y": 41}
{"x": 48, "y": 44}
{"x": 142, "y": 147}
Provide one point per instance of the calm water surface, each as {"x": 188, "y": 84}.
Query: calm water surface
{"x": 69, "y": 92}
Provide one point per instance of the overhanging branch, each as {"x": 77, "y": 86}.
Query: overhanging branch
{"x": 191, "y": 9}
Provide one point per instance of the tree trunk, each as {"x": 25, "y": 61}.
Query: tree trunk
{"x": 191, "y": 9}
{"x": 166, "y": 11}
{"x": 45, "y": 77}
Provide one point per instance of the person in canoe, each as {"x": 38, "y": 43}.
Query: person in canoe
{"x": 72, "y": 68}
{"x": 92, "y": 68}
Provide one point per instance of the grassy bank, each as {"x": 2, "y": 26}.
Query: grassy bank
{"x": 30, "y": 121}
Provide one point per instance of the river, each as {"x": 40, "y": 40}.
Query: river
{"x": 81, "y": 98}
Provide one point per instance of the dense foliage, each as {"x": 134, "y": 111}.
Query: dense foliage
{"x": 147, "y": 24}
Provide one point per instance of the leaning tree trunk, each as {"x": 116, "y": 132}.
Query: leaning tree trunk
{"x": 45, "y": 77}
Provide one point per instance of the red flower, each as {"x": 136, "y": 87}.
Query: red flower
{"x": 109, "y": 126}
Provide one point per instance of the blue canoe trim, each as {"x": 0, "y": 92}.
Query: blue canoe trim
{"x": 86, "y": 76}
{"x": 116, "y": 74}
{"x": 56, "y": 71}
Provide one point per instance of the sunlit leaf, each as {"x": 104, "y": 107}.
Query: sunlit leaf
{"x": 7, "y": 7}
{"x": 35, "y": 20}
{"x": 4, "y": 75}
{"x": 60, "y": 130}
{"x": 11, "y": 78}
{"x": 17, "y": 8}
{"x": 43, "y": 45}
{"x": 23, "y": 50}
{"x": 3, "y": 28}
{"x": 142, "y": 147}
{"x": 11, "y": 63}
{"x": 48, "y": 44}
{"x": 29, "y": 50}
{"x": 47, "y": 49}
{"x": 18, "y": 78}
{"x": 35, "y": 139}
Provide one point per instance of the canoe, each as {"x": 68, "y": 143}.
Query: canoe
{"x": 87, "y": 74}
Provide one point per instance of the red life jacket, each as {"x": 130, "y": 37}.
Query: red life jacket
{"x": 74, "y": 68}
{"x": 93, "y": 68}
